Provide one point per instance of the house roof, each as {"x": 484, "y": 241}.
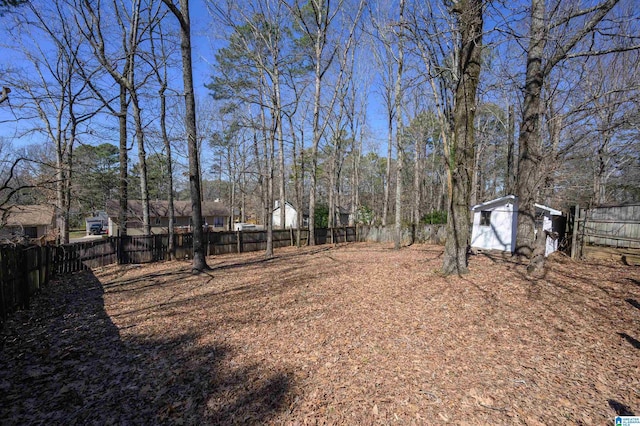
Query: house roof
{"x": 512, "y": 199}
{"x": 305, "y": 209}
{"x": 32, "y": 215}
{"x": 161, "y": 208}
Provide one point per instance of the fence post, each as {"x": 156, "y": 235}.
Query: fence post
{"x": 47, "y": 264}
{"x": 583, "y": 229}
{"x": 3, "y": 272}
{"x": 24, "y": 279}
{"x": 574, "y": 233}
{"x": 39, "y": 266}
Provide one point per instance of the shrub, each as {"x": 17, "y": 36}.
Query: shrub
{"x": 435, "y": 217}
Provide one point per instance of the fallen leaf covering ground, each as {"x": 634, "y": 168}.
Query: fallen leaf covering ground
{"x": 354, "y": 334}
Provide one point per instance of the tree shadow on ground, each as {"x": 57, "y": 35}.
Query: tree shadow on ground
{"x": 619, "y": 408}
{"x": 64, "y": 362}
{"x": 633, "y": 303}
{"x": 634, "y": 342}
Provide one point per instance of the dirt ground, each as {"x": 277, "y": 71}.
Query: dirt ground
{"x": 356, "y": 334}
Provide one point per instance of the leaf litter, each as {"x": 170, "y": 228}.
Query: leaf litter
{"x": 347, "y": 334}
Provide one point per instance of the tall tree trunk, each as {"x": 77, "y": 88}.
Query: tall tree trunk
{"x": 300, "y": 189}
{"x": 476, "y": 185}
{"x": 355, "y": 186}
{"x": 182, "y": 14}
{"x": 68, "y": 166}
{"x": 387, "y": 174}
{"x": 167, "y": 146}
{"x": 66, "y": 209}
{"x": 160, "y": 64}
{"x": 531, "y": 170}
{"x": 282, "y": 178}
{"x": 142, "y": 162}
{"x": 509, "y": 178}
{"x": 298, "y": 172}
{"x": 332, "y": 183}
{"x": 314, "y": 147}
{"x": 399, "y": 130}
{"x": 530, "y": 140}
{"x": 124, "y": 165}
{"x": 269, "y": 148}
{"x": 417, "y": 180}
{"x": 233, "y": 172}
{"x": 460, "y": 154}
{"x": 268, "y": 145}
{"x": 261, "y": 173}
{"x": 61, "y": 179}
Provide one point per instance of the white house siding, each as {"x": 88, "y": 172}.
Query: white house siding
{"x": 290, "y": 218}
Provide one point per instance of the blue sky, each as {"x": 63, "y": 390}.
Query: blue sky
{"x": 206, "y": 38}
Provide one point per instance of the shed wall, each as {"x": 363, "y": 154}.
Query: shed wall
{"x": 499, "y": 234}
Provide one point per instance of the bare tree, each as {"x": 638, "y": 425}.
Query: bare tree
{"x": 91, "y": 25}
{"x": 570, "y": 27}
{"x": 4, "y": 95}
{"x": 315, "y": 19}
{"x": 386, "y": 59}
{"x": 399, "y": 128}
{"x": 450, "y": 45}
{"x": 460, "y": 152}
{"x": 182, "y": 15}
{"x": 261, "y": 53}
{"x": 56, "y": 93}
{"x": 10, "y": 184}
{"x": 160, "y": 69}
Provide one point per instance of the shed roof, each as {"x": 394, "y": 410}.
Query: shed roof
{"x": 492, "y": 203}
{"x": 553, "y": 212}
{"x": 511, "y": 199}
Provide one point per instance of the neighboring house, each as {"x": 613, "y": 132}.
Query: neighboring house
{"x": 100, "y": 217}
{"x": 215, "y": 215}
{"x": 33, "y": 221}
{"x": 495, "y": 224}
{"x": 290, "y": 214}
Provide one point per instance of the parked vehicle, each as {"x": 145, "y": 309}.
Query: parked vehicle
{"x": 95, "y": 229}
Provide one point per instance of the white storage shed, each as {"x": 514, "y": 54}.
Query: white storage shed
{"x": 495, "y": 224}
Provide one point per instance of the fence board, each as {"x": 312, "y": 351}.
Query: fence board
{"x": 25, "y": 270}
{"x": 23, "y": 273}
{"x": 613, "y": 226}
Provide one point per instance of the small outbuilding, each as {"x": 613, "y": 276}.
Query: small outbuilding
{"x": 495, "y": 224}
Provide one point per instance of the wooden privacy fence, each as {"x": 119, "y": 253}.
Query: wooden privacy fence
{"x": 24, "y": 270}
{"x": 422, "y": 233}
{"x": 605, "y": 226}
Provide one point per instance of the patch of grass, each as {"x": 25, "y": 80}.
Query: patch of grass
{"x": 77, "y": 233}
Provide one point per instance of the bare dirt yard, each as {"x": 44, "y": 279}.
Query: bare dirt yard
{"x": 355, "y": 334}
